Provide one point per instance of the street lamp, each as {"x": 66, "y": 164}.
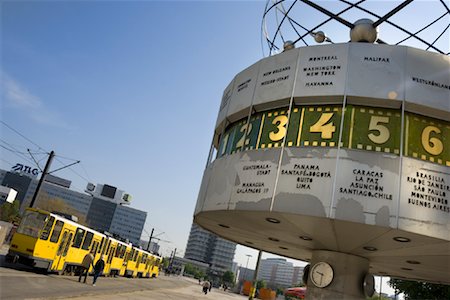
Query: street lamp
{"x": 246, "y": 265}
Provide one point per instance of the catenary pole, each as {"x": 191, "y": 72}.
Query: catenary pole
{"x": 150, "y": 239}
{"x": 41, "y": 180}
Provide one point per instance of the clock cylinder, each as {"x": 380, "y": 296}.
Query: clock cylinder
{"x": 343, "y": 147}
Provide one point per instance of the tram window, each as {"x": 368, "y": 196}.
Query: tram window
{"x": 106, "y": 249}
{"x": 130, "y": 255}
{"x": 122, "y": 253}
{"x": 94, "y": 247}
{"x": 135, "y": 255}
{"x": 87, "y": 240}
{"x": 48, "y": 227}
{"x": 32, "y": 222}
{"x": 123, "y": 248}
{"x": 101, "y": 245}
{"x": 119, "y": 247}
{"x": 111, "y": 254}
{"x": 62, "y": 244}
{"x": 56, "y": 231}
{"x": 67, "y": 245}
{"x": 78, "y": 238}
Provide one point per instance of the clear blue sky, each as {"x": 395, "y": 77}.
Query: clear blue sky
{"x": 132, "y": 89}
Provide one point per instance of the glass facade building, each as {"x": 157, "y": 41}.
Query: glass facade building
{"x": 207, "y": 247}
{"x": 276, "y": 272}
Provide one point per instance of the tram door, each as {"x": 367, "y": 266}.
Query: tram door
{"x": 63, "y": 248}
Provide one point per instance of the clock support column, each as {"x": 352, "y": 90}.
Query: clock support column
{"x": 347, "y": 276}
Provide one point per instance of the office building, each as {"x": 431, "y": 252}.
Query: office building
{"x": 298, "y": 275}
{"x": 16, "y": 181}
{"x": 206, "y": 247}
{"x": 244, "y": 274}
{"x": 128, "y": 222}
{"x": 276, "y": 272}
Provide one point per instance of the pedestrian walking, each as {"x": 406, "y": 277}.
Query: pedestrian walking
{"x": 87, "y": 262}
{"x": 206, "y": 286}
{"x": 98, "y": 268}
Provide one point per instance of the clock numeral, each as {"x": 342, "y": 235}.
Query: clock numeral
{"x": 240, "y": 143}
{"x": 383, "y": 132}
{"x": 432, "y": 145}
{"x": 324, "y": 126}
{"x": 280, "y": 132}
{"x": 224, "y": 144}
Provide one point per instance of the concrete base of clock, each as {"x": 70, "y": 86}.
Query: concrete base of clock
{"x": 348, "y": 276}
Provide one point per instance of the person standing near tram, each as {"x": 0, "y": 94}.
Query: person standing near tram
{"x": 98, "y": 268}
{"x": 87, "y": 262}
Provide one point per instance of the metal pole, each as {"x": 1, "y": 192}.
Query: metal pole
{"x": 255, "y": 276}
{"x": 150, "y": 239}
{"x": 41, "y": 180}
{"x": 381, "y": 286}
{"x": 246, "y": 265}
{"x": 173, "y": 257}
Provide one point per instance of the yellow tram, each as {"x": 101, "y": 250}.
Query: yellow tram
{"x": 51, "y": 242}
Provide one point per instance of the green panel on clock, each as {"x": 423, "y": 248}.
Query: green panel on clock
{"x": 427, "y": 139}
{"x": 321, "y": 126}
{"x": 245, "y": 137}
{"x": 374, "y": 129}
{"x": 227, "y": 140}
{"x": 275, "y": 127}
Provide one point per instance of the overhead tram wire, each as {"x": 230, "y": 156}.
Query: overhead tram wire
{"x": 23, "y": 136}
{"x": 37, "y": 164}
{"x": 46, "y": 152}
{"x": 17, "y": 150}
{"x": 17, "y": 153}
{"x": 68, "y": 167}
{"x": 6, "y": 161}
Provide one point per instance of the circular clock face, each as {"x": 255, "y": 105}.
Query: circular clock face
{"x": 369, "y": 285}
{"x": 321, "y": 274}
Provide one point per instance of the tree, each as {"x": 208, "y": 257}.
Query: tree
{"x": 420, "y": 290}
{"x": 189, "y": 269}
{"x": 9, "y": 212}
{"x": 377, "y": 297}
{"x": 228, "y": 277}
{"x": 165, "y": 262}
{"x": 260, "y": 284}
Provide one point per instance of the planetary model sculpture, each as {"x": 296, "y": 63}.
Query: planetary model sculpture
{"x": 337, "y": 154}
